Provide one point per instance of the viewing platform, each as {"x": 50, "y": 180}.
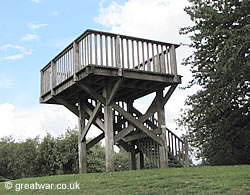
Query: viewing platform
{"x": 94, "y": 56}
{"x": 98, "y": 77}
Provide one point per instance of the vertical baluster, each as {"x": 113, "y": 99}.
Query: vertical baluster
{"x": 133, "y": 54}
{"x": 127, "y": 54}
{"x": 71, "y": 61}
{"x": 138, "y": 54}
{"x": 59, "y": 71}
{"x": 95, "y": 40}
{"x": 158, "y": 62}
{"x": 106, "y": 50}
{"x": 153, "y": 57}
{"x": 163, "y": 64}
{"x": 122, "y": 50}
{"x": 85, "y": 51}
{"x": 101, "y": 50}
{"x": 112, "y": 52}
{"x": 82, "y": 57}
{"x": 148, "y": 59}
{"x": 66, "y": 63}
{"x": 143, "y": 57}
{"x": 90, "y": 47}
{"x": 167, "y": 59}
{"x": 70, "y": 71}
{"x": 172, "y": 144}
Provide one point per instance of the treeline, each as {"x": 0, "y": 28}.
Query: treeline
{"x": 52, "y": 156}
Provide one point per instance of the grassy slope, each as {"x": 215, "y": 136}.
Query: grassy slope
{"x": 195, "y": 180}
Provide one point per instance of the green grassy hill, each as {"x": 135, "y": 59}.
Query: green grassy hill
{"x": 194, "y": 180}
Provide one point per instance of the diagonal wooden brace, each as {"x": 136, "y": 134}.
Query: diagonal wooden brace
{"x": 98, "y": 122}
{"x": 136, "y": 123}
{"x": 92, "y": 93}
{"x": 91, "y": 120}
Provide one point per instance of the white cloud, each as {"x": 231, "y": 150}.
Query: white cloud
{"x": 36, "y": 121}
{"x": 21, "y": 52}
{"x": 36, "y": 1}
{"x": 36, "y": 26}
{"x": 29, "y": 37}
{"x": 159, "y": 20}
{"x": 13, "y": 57}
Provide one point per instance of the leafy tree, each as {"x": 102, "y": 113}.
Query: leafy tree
{"x": 121, "y": 162}
{"x": 217, "y": 118}
{"x": 96, "y": 159}
{"x": 17, "y": 159}
{"x": 67, "y": 147}
{"x": 48, "y": 156}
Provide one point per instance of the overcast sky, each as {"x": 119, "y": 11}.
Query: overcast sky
{"x": 34, "y": 31}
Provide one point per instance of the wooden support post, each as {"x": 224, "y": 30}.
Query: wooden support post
{"x": 132, "y": 155}
{"x": 82, "y": 150}
{"x": 162, "y": 124}
{"x": 140, "y": 160}
{"x": 109, "y": 133}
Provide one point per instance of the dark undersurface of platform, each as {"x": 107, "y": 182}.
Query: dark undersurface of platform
{"x": 135, "y": 84}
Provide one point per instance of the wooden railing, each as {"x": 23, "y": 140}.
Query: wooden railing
{"x": 178, "y": 148}
{"x": 110, "y": 50}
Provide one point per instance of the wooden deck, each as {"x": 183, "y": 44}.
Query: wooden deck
{"x": 96, "y": 58}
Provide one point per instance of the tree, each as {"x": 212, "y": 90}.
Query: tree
{"x": 67, "y": 147}
{"x": 48, "y": 162}
{"x": 217, "y": 118}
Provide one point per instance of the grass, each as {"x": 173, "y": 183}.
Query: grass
{"x": 194, "y": 180}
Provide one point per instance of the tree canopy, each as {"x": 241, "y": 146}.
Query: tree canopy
{"x": 217, "y": 117}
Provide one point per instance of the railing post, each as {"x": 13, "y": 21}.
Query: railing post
{"x": 53, "y": 76}
{"x": 76, "y": 61}
{"x": 42, "y": 85}
{"x": 117, "y": 52}
{"x": 173, "y": 62}
{"x": 186, "y": 153}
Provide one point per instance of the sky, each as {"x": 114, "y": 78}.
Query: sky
{"x": 34, "y": 31}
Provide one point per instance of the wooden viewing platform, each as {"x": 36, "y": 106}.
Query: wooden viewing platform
{"x": 99, "y": 76}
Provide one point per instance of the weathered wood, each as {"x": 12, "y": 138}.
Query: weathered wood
{"x": 136, "y": 123}
{"x": 94, "y": 141}
{"x": 135, "y": 137}
{"x": 54, "y": 77}
{"x": 91, "y": 120}
{"x": 114, "y": 91}
{"x": 76, "y": 59}
{"x": 82, "y": 150}
{"x": 92, "y": 93}
{"x": 162, "y": 123}
{"x": 141, "y": 160}
{"x": 68, "y": 105}
{"x": 98, "y": 123}
{"x": 109, "y": 133}
{"x": 173, "y": 62}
